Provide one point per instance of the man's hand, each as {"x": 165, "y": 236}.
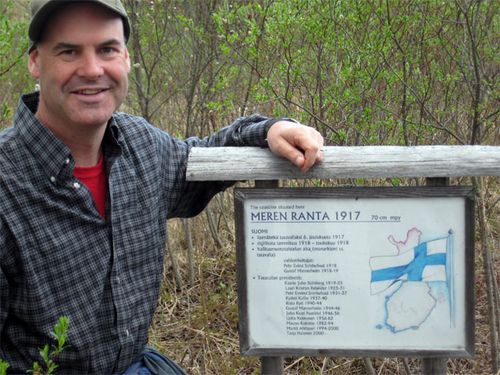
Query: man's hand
{"x": 300, "y": 144}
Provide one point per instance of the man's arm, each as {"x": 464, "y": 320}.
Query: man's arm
{"x": 300, "y": 144}
{"x": 287, "y": 138}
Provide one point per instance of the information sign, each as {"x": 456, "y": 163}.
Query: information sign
{"x": 358, "y": 271}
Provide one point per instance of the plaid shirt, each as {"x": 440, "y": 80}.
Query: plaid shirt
{"x": 59, "y": 257}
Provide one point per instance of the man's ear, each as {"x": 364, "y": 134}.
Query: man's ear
{"x": 34, "y": 63}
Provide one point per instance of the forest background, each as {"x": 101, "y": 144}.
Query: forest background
{"x": 375, "y": 72}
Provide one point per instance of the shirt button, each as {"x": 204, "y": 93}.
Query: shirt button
{"x": 76, "y": 185}
{"x": 127, "y": 333}
{"x": 66, "y": 161}
{"x": 52, "y": 179}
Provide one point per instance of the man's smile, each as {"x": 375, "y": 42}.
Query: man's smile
{"x": 89, "y": 91}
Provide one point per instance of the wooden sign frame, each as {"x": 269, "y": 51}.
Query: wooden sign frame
{"x": 387, "y": 215}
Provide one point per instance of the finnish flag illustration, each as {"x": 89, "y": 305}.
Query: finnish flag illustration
{"x": 409, "y": 280}
{"x": 416, "y": 261}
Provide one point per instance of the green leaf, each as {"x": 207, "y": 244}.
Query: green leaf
{"x": 3, "y": 367}
{"x": 44, "y": 353}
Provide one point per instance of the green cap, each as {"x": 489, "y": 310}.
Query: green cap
{"x": 42, "y": 9}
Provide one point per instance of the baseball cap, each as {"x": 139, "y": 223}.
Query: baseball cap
{"x": 41, "y": 10}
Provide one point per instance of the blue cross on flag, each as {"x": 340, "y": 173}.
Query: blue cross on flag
{"x": 425, "y": 262}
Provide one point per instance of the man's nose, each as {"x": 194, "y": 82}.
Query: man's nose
{"x": 91, "y": 66}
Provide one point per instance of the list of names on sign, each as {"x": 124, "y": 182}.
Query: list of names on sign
{"x": 325, "y": 272}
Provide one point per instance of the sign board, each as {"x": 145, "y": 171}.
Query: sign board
{"x": 355, "y": 271}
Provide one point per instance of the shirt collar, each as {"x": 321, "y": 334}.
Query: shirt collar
{"x": 52, "y": 154}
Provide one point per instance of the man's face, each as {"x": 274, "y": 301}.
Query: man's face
{"x": 82, "y": 65}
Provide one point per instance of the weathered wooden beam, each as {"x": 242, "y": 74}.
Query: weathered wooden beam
{"x": 253, "y": 163}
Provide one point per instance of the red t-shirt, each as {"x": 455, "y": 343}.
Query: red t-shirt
{"x": 95, "y": 180}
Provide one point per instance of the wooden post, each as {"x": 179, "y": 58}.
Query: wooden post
{"x": 435, "y": 366}
{"x": 437, "y": 181}
{"x": 267, "y": 184}
{"x": 270, "y": 365}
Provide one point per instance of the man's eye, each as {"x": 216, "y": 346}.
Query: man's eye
{"x": 67, "y": 53}
{"x": 108, "y": 50}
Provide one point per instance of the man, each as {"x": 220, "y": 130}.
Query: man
{"x": 85, "y": 192}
